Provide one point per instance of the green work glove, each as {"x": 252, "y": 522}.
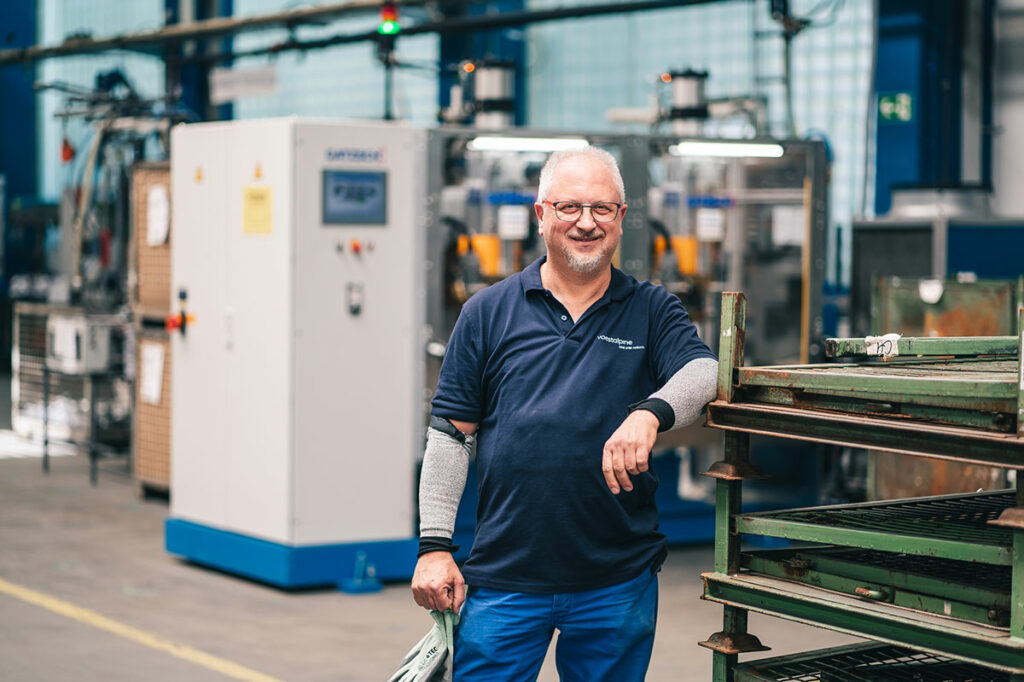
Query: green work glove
{"x": 431, "y": 659}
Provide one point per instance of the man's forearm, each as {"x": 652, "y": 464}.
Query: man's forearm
{"x": 683, "y": 397}
{"x": 442, "y": 480}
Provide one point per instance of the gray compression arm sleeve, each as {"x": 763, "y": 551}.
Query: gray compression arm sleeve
{"x": 690, "y": 389}
{"x": 442, "y": 480}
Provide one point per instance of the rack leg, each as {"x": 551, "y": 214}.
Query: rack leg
{"x": 92, "y": 431}
{"x": 722, "y": 666}
{"x": 730, "y": 642}
{"x": 46, "y": 418}
{"x": 728, "y": 502}
{"x": 1015, "y": 517}
{"x": 1017, "y": 579}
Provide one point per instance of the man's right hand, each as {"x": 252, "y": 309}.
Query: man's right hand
{"x": 437, "y": 582}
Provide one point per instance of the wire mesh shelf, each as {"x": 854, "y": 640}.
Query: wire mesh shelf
{"x": 865, "y": 663}
{"x": 948, "y": 526}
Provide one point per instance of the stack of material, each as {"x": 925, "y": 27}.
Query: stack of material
{"x": 151, "y": 303}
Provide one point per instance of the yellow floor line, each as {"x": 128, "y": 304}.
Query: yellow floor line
{"x": 97, "y": 620}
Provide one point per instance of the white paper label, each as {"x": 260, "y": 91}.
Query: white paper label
{"x": 710, "y": 224}
{"x": 788, "y": 225}
{"x": 158, "y": 215}
{"x": 151, "y": 381}
{"x": 513, "y": 222}
{"x": 886, "y": 346}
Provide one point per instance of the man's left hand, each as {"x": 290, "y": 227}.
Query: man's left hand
{"x": 628, "y": 450}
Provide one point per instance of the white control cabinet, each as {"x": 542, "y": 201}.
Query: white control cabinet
{"x": 297, "y": 414}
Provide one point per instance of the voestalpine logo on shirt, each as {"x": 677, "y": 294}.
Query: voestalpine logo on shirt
{"x": 623, "y": 344}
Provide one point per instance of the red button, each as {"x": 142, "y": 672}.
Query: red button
{"x": 356, "y": 246}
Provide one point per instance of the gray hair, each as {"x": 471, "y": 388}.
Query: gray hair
{"x": 547, "y": 173}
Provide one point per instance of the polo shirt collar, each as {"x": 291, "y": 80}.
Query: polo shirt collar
{"x": 620, "y": 287}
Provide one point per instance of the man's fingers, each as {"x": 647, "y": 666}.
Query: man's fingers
{"x": 619, "y": 468}
{"x": 623, "y": 477}
{"x": 632, "y": 461}
{"x": 608, "y": 469}
{"x": 460, "y": 596}
{"x": 642, "y": 458}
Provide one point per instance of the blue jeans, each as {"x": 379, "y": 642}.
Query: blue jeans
{"x": 604, "y": 634}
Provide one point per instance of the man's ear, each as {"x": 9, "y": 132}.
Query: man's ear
{"x": 538, "y": 208}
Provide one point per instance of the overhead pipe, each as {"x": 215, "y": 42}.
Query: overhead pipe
{"x": 219, "y": 27}
{"x": 194, "y": 30}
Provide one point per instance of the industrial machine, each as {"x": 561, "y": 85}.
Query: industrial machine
{"x": 298, "y": 366}
{"x": 744, "y": 215}
{"x": 317, "y": 269}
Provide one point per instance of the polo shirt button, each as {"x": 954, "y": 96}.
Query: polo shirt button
{"x": 564, "y": 318}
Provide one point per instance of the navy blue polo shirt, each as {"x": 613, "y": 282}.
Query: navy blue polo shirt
{"x": 547, "y": 394}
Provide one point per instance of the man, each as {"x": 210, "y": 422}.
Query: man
{"x": 563, "y": 374}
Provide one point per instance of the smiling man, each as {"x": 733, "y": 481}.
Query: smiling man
{"x": 561, "y": 376}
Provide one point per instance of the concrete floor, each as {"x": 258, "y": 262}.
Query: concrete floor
{"x": 87, "y": 592}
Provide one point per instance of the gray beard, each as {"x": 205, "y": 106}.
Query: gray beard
{"x": 584, "y": 266}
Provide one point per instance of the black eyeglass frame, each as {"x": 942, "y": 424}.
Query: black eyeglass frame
{"x": 554, "y": 205}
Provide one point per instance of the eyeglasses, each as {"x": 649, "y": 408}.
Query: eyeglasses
{"x": 571, "y": 211}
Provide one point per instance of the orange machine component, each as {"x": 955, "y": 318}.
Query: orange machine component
{"x": 686, "y": 254}
{"x": 487, "y": 248}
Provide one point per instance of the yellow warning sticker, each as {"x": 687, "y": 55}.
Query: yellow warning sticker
{"x": 256, "y": 210}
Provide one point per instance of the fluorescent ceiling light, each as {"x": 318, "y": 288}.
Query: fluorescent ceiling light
{"x": 526, "y": 144}
{"x": 731, "y": 149}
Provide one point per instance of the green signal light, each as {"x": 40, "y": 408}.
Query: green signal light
{"x": 388, "y": 28}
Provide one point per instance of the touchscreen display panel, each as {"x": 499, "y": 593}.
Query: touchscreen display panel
{"x": 355, "y": 197}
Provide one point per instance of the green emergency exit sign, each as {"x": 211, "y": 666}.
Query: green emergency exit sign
{"x": 896, "y": 107}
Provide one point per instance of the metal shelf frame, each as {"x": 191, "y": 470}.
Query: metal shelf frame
{"x": 865, "y": 663}
{"x": 946, "y": 587}
{"x": 946, "y": 526}
{"x": 968, "y": 407}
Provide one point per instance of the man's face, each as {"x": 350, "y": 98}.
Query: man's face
{"x": 584, "y": 245}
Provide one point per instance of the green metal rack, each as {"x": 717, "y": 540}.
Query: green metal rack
{"x": 938, "y": 581}
{"x": 940, "y": 586}
{"x": 865, "y": 663}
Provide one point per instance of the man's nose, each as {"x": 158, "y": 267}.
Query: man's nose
{"x": 587, "y": 218}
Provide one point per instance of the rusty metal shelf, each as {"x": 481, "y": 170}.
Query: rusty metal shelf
{"x": 946, "y": 526}
{"x": 976, "y": 393}
{"x": 942, "y": 576}
{"x": 865, "y": 663}
{"x": 959, "y": 589}
{"x": 958, "y": 639}
{"x": 892, "y": 434}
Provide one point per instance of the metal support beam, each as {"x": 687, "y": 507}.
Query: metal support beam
{"x": 863, "y": 618}
{"x": 730, "y": 343}
{"x": 923, "y": 345}
{"x": 901, "y": 437}
{"x": 151, "y": 39}
{"x": 197, "y": 30}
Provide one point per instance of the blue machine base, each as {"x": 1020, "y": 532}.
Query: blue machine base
{"x": 353, "y": 567}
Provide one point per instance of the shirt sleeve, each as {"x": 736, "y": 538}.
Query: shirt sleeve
{"x": 460, "y": 385}
{"x": 675, "y": 341}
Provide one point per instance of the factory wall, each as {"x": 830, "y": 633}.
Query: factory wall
{"x": 345, "y": 81}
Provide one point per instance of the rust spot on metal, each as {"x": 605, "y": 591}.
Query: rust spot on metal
{"x": 1010, "y": 518}
{"x": 733, "y": 471}
{"x": 733, "y": 643}
{"x": 796, "y": 567}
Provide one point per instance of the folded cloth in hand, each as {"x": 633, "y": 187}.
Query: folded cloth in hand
{"x": 431, "y": 659}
